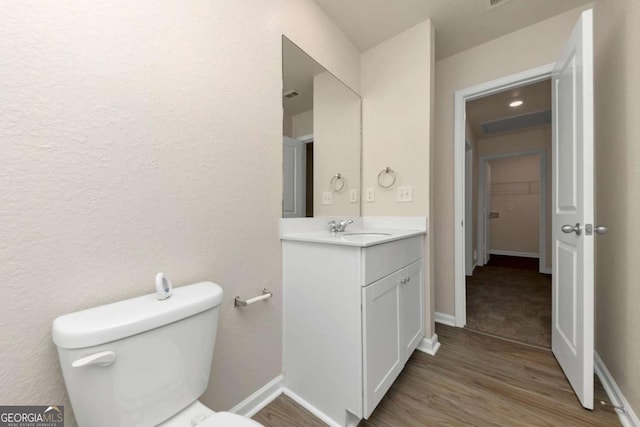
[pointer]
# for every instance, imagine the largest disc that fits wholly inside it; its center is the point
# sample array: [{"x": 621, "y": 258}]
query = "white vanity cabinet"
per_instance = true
[
  {"x": 352, "y": 317},
  {"x": 393, "y": 325}
]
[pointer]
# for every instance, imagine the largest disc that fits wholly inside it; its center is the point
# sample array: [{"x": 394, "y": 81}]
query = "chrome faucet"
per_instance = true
[{"x": 340, "y": 226}]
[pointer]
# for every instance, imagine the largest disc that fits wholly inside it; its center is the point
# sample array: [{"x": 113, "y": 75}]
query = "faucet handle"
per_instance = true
[
  {"x": 342, "y": 225},
  {"x": 332, "y": 226}
]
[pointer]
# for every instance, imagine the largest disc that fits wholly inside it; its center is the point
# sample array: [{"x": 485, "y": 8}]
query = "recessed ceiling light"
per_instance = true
[{"x": 516, "y": 103}]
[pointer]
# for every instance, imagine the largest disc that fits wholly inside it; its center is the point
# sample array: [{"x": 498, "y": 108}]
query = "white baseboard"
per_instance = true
[
  {"x": 546, "y": 271},
  {"x": 627, "y": 417},
  {"x": 445, "y": 319},
  {"x": 514, "y": 253},
  {"x": 429, "y": 345},
  {"x": 309, "y": 407},
  {"x": 261, "y": 398}
]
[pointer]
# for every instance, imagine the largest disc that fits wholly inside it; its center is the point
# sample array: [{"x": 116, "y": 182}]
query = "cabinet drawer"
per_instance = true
[{"x": 381, "y": 260}]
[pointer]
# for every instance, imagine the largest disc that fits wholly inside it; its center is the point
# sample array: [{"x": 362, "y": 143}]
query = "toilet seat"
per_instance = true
[{"x": 227, "y": 419}]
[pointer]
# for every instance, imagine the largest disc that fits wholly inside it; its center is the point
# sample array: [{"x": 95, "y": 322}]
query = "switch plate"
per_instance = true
[
  {"x": 327, "y": 198},
  {"x": 370, "y": 194},
  {"x": 405, "y": 193},
  {"x": 353, "y": 195}
]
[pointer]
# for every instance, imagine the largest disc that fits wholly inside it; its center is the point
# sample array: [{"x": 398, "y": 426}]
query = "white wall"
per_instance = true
[
  {"x": 521, "y": 50},
  {"x": 617, "y": 158},
  {"x": 515, "y": 196},
  {"x": 336, "y": 145},
  {"x": 538, "y": 138},
  {"x": 397, "y": 108},
  {"x": 141, "y": 137},
  {"x": 395, "y": 126},
  {"x": 302, "y": 124}
]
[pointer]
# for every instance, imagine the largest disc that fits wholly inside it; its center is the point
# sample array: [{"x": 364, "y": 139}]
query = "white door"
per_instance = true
[
  {"x": 468, "y": 209},
  {"x": 294, "y": 177},
  {"x": 487, "y": 211},
  {"x": 573, "y": 213}
]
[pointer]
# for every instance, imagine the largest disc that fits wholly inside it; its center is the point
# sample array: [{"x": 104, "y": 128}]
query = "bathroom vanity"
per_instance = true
[{"x": 353, "y": 314}]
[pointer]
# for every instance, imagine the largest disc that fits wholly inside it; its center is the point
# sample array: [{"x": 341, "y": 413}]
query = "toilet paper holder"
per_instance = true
[{"x": 239, "y": 302}]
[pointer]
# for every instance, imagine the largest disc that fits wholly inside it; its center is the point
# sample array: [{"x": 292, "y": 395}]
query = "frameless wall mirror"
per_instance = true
[{"x": 321, "y": 139}]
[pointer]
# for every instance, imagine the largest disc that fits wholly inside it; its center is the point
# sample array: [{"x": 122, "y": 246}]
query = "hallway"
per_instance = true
[{"x": 508, "y": 298}]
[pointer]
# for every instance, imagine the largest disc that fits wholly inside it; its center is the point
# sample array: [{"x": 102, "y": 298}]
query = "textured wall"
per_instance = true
[
  {"x": 538, "y": 138},
  {"x": 521, "y": 50},
  {"x": 140, "y": 137},
  {"x": 617, "y": 154},
  {"x": 397, "y": 128},
  {"x": 396, "y": 84},
  {"x": 518, "y": 228},
  {"x": 336, "y": 145}
]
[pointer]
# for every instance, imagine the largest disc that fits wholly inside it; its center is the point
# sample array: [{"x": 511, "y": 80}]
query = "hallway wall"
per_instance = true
[{"x": 617, "y": 158}]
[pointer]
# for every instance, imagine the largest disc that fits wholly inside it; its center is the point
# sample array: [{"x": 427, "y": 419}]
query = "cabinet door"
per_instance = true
[
  {"x": 412, "y": 307},
  {"x": 383, "y": 359}
]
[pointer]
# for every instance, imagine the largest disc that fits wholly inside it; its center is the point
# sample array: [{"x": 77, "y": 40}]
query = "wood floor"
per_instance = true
[{"x": 474, "y": 380}]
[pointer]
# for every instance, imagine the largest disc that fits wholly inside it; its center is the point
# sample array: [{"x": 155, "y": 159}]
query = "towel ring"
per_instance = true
[
  {"x": 337, "y": 183},
  {"x": 384, "y": 172}
]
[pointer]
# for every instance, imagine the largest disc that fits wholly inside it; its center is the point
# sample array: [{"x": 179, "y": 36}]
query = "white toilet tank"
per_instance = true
[{"x": 138, "y": 362}]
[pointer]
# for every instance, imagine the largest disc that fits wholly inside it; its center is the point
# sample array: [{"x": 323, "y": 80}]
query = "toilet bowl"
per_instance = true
[{"x": 143, "y": 362}]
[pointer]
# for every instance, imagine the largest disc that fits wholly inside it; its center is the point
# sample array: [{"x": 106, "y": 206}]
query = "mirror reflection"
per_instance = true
[{"x": 321, "y": 139}]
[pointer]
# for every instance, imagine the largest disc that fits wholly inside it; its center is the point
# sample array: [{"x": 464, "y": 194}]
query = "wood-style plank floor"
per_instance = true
[{"x": 474, "y": 380}]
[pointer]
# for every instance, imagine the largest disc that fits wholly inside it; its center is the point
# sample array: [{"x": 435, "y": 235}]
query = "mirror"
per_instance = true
[{"x": 321, "y": 139}]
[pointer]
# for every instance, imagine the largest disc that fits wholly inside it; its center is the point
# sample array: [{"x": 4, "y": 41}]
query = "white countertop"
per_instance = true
[{"x": 352, "y": 237}]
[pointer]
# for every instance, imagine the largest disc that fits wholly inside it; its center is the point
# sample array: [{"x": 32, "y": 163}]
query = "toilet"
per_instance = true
[{"x": 143, "y": 361}]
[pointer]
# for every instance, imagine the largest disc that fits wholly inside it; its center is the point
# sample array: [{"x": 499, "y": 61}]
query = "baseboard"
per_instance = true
[
  {"x": 429, "y": 345},
  {"x": 627, "y": 417},
  {"x": 514, "y": 253},
  {"x": 261, "y": 398},
  {"x": 445, "y": 319},
  {"x": 545, "y": 271},
  {"x": 309, "y": 407}
]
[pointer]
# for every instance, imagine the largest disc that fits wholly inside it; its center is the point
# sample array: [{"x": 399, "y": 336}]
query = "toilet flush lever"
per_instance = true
[{"x": 104, "y": 358}]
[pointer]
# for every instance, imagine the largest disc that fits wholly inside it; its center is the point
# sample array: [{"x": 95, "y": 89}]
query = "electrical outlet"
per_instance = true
[
  {"x": 327, "y": 198},
  {"x": 353, "y": 195},
  {"x": 405, "y": 193},
  {"x": 370, "y": 194}
]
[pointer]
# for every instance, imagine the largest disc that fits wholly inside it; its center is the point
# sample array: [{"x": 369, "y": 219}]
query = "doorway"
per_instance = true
[
  {"x": 508, "y": 294},
  {"x": 535, "y": 75}
]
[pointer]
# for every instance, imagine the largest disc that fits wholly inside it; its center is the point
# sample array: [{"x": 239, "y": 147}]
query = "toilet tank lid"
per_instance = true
[{"x": 110, "y": 322}]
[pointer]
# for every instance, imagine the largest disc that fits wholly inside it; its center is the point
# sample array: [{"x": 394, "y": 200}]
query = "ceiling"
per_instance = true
[
  {"x": 536, "y": 97},
  {"x": 460, "y": 24},
  {"x": 298, "y": 70}
]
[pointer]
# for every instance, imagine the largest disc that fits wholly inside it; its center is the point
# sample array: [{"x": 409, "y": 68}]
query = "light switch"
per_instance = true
[
  {"x": 353, "y": 195},
  {"x": 405, "y": 193},
  {"x": 327, "y": 198},
  {"x": 370, "y": 194}
]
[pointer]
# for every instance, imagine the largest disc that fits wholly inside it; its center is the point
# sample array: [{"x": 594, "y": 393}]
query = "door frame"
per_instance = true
[
  {"x": 542, "y": 214},
  {"x": 461, "y": 97},
  {"x": 470, "y": 263}
]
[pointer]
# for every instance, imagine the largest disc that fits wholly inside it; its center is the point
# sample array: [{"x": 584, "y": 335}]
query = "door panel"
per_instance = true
[
  {"x": 381, "y": 320},
  {"x": 294, "y": 176},
  {"x": 572, "y": 312},
  {"x": 412, "y": 291}
]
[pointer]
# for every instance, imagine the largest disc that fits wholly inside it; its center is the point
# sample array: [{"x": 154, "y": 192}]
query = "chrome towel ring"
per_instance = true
[
  {"x": 384, "y": 172},
  {"x": 337, "y": 183}
]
